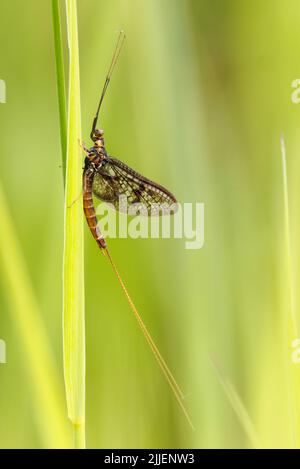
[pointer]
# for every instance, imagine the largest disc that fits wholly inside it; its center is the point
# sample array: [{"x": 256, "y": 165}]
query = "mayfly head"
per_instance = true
[{"x": 97, "y": 137}]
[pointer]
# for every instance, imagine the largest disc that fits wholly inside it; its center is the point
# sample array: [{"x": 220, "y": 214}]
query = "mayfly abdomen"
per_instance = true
[{"x": 89, "y": 208}]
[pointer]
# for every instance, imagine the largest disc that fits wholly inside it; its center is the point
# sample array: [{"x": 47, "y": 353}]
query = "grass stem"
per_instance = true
[
  {"x": 290, "y": 319},
  {"x": 237, "y": 405},
  {"x": 73, "y": 267},
  {"x": 60, "y": 79},
  {"x": 288, "y": 237}
]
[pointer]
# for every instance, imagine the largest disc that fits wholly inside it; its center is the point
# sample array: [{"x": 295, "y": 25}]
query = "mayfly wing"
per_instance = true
[{"x": 114, "y": 181}]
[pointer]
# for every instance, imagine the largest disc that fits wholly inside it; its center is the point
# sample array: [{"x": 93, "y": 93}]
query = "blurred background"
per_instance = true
[{"x": 198, "y": 101}]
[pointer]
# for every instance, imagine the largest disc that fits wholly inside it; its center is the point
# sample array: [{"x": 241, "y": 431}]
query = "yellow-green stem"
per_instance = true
[
  {"x": 290, "y": 319},
  {"x": 60, "y": 79},
  {"x": 73, "y": 271},
  {"x": 79, "y": 436}
]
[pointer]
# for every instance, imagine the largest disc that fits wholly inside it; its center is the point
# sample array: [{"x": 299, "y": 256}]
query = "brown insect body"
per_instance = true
[
  {"x": 92, "y": 161},
  {"x": 108, "y": 178}
]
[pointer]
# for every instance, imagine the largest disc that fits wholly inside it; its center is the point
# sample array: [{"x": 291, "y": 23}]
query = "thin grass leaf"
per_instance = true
[
  {"x": 292, "y": 326},
  {"x": 48, "y": 405},
  {"x": 288, "y": 238},
  {"x": 60, "y": 79},
  {"x": 73, "y": 268},
  {"x": 237, "y": 405}
]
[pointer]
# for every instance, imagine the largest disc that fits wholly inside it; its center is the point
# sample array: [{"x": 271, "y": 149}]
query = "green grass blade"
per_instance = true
[
  {"x": 291, "y": 319},
  {"x": 47, "y": 391},
  {"x": 288, "y": 238},
  {"x": 60, "y": 79},
  {"x": 73, "y": 268},
  {"x": 238, "y": 406}
]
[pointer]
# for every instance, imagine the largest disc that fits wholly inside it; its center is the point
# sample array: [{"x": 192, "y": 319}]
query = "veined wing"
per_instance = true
[{"x": 123, "y": 187}]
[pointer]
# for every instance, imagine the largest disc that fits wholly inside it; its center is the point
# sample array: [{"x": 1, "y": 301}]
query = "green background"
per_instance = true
[{"x": 198, "y": 101}]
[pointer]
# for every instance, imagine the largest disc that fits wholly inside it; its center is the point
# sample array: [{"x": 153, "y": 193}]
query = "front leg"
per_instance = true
[{"x": 84, "y": 148}]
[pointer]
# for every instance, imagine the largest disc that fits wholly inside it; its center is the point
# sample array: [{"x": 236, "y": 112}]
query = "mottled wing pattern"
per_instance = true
[{"x": 120, "y": 185}]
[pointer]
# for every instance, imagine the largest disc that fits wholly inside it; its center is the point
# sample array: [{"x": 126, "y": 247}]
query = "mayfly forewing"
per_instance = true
[{"x": 115, "y": 181}]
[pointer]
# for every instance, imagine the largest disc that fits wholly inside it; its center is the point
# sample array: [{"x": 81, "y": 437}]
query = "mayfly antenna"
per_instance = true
[{"x": 120, "y": 42}]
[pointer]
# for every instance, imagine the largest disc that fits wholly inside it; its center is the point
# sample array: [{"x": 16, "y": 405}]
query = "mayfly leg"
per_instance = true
[
  {"x": 86, "y": 151},
  {"x": 84, "y": 148},
  {"x": 75, "y": 200}
]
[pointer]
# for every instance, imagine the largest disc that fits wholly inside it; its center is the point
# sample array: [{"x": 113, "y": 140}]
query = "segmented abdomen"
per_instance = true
[{"x": 89, "y": 209}]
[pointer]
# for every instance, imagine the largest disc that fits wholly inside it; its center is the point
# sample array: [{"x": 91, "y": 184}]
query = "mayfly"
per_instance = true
[{"x": 110, "y": 179}]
